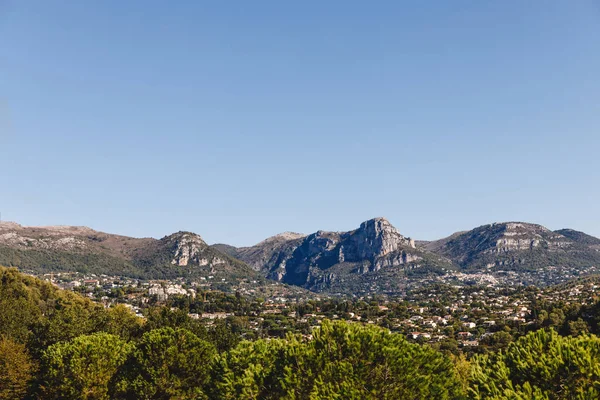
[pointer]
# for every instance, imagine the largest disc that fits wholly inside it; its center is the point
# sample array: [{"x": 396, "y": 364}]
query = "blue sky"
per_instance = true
[{"x": 238, "y": 120}]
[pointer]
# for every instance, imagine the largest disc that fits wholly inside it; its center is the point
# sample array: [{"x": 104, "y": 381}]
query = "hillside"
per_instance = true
[
  {"x": 374, "y": 257},
  {"x": 65, "y": 248},
  {"x": 26, "y": 303},
  {"x": 581, "y": 238},
  {"x": 516, "y": 246}
]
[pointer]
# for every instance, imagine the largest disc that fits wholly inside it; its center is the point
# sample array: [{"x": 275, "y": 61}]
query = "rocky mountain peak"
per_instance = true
[
  {"x": 378, "y": 237},
  {"x": 290, "y": 235},
  {"x": 187, "y": 247},
  {"x": 379, "y": 227},
  {"x": 382, "y": 221},
  {"x": 185, "y": 236}
]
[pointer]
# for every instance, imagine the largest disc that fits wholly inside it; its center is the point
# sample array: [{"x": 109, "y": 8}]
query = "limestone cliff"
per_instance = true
[{"x": 318, "y": 260}]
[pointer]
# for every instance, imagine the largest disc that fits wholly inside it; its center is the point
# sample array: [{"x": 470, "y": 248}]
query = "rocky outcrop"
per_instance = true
[
  {"x": 398, "y": 259},
  {"x": 374, "y": 239},
  {"x": 47, "y": 238},
  {"x": 320, "y": 258},
  {"x": 188, "y": 247},
  {"x": 517, "y": 236},
  {"x": 378, "y": 237}
]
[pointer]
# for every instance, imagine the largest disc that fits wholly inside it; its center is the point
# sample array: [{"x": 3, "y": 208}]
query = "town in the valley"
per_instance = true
[{"x": 482, "y": 313}]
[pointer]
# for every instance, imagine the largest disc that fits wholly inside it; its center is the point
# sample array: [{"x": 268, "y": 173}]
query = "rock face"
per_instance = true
[
  {"x": 189, "y": 247},
  {"x": 376, "y": 238},
  {"x": 514, "y": 245},
  {"x": 517, "y": 236},
  {"x": 320, "y": 260},
  {"x": 43, "y": 238},
  {"x": 83, "y": 249}
]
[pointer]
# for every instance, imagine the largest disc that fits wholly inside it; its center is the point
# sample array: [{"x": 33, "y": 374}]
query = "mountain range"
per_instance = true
[
  {"x": 72, "y": 248},
  {"x": 375, "y": 257}
]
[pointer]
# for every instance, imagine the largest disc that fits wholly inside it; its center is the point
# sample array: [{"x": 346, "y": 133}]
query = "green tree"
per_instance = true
[
  {"x": 248, "y": 371},
  {"x": 66, "y": 317},
  {"x": 16, "y": 369},
  {"x": 20, "y": 301},
  {"x": 161, "y": 317},
  {"x": 38, "y": 314},
  {"x": 83, "y": 367},
  {"x": 343, "y": 361},
  {"x": 166, "y": 364},
  {"x": 541, "y": 365},
  {"x": 578, "y": 327},
  {"x": 225, "y": 334},
  {"x": 496, "y": 341},
  {"x": 121, "y": 321}
]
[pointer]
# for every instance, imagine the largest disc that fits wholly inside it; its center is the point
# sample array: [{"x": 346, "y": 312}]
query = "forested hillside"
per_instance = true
[{"x": 56, "y": 344}]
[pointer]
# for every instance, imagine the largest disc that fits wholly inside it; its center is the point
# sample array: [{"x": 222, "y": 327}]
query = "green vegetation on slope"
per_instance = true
[
  {"x": 45, "y": 261},
  {"x": 59, "y": 345},
  {"x": 579, "y": 237}
]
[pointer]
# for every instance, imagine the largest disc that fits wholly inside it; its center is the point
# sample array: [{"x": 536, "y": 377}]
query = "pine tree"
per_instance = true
[
  {"x": 16, "y": 369},
  {"x": 83, "y": 367},
  {"x": 342, "y": 361},
  {"x": 541, "y": 365},
  {"x": 166, "y": 364}
]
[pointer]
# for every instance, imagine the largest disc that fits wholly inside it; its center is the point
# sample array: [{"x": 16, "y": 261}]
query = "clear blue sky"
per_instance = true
[{"x": 241, "y": 119}]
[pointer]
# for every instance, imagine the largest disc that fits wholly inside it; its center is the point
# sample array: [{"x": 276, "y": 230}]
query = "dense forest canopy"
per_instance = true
[{"x": 56, "y": 344}]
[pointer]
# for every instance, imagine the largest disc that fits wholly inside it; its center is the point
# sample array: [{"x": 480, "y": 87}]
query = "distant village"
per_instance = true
[{"x": 457, "y": 314}]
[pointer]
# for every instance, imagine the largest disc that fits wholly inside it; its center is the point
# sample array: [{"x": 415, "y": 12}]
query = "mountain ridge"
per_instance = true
[
  {"x": 326, "y": 260},
  {"x": 512, "y": 244},
  {"x": 375, "y": 257},
  {"x": 57, "y": 248}
]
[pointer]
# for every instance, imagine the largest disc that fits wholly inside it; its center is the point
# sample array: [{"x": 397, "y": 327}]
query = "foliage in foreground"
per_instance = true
[
  {"x": 165, "y": 364},
  {"x": 16, "y": 369},
  {"x": 83, "y": 367},
  {"x": 59, "y": 345},
  {"x": 342, "y": 361},
  {"x": 541, "y": 365}
]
